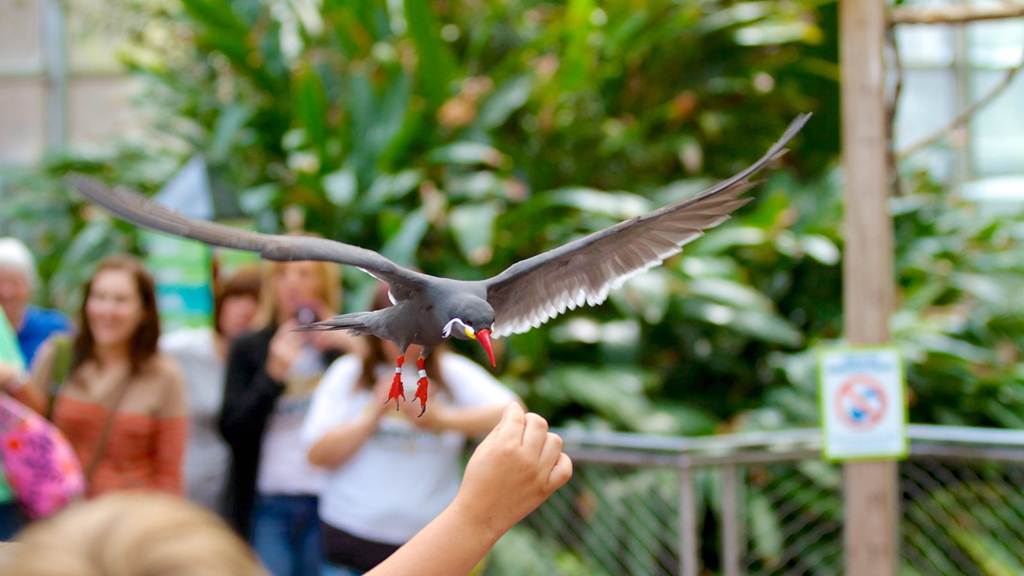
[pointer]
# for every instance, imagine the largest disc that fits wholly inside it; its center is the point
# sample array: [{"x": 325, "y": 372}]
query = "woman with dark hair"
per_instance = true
[
  {"x": 390, "y": 473},
  {"x": 121, "y": 404}
]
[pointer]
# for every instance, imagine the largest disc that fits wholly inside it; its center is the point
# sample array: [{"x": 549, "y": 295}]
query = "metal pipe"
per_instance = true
[
  {"x": 688, "y": 544},
  {"x": 622, "y": 457},
  {"x": 776, "y": 442},
  {"x": 724, "y": 443},
  {"x": 966, "y": 434},
  {"x": 644, "y": 459},
  {"x": 995, "y": 454}
]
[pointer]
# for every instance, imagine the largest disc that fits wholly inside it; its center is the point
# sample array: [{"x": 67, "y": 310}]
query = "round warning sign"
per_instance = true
[{"x": 861, "y": 402}]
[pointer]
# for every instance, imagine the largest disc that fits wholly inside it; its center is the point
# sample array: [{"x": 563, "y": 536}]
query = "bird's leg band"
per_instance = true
[
  {"x": 421, "y": 384},
  {"x": 397, "y": 392}
]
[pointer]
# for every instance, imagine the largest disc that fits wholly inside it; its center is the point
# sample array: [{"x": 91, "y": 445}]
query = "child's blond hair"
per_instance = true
[{"x": 130, "y": 534}]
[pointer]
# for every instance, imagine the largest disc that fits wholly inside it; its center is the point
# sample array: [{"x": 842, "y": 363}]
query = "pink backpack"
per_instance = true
[{"x": 38, "y": 461}]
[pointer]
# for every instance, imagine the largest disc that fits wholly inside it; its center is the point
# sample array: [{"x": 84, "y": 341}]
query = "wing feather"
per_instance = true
[
  {"x": 141, "y": 211},
  {"x": 584, "y": 271}
]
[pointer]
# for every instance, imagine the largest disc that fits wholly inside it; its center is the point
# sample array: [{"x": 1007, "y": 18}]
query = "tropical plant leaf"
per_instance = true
[{"x": 437, "y": 68}]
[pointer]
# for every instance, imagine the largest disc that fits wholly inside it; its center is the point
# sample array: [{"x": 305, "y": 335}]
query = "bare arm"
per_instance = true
[
  {"x": 32, "y": 398},
  {"x": 31, "y": 389},
  {"x": 11, "y": 377},
  {"x": 340, "y": 443},
  {"x": 475, "y": 421},
  {"x": 518, "y": 466},
  {"x": 171, "y": 430},
  {"x": 15, "y": 382},
  {"x": 419, "y": 556},
  {"x": 472, "y": 421}
]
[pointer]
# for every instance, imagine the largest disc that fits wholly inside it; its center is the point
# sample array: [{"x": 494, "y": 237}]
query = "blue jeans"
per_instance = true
[
  {"x": 12, "y": 519},
  {"x": 327, "y": 569},
  {"x": 286, "y": 534}
]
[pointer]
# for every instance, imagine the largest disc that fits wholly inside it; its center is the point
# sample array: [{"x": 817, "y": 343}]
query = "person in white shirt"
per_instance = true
[
  {"x": 391, "y": 472},
  {"x": 202, "y": 354}
]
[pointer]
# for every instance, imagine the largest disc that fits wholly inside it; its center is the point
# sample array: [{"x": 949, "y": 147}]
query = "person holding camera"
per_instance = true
[{"x": 271, "y": 375}]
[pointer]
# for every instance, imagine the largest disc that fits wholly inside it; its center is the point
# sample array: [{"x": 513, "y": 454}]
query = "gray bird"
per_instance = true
[{"x": 427, "y": 310}]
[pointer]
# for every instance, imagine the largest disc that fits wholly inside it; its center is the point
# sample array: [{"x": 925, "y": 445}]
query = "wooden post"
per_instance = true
[
  {"x": 689, "y": 563},
  {"x": 733, "y": 539},
  {"x": 869, "y": 488}
]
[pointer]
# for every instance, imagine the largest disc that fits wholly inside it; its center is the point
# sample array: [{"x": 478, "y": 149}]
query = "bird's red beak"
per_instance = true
[{"x": 484, "y": 338}]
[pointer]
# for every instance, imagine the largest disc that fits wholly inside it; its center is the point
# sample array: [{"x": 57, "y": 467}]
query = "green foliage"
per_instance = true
[
  {"x": 960, "y": 270},
  {"x": 460, "y": 140},
  {"x": 460, "y": 137},
  {"x": 522, "y": 551}
]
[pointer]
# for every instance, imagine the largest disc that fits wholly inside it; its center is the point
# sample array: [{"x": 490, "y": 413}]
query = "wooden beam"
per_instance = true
[
  {"x": 869, "y": 488},
  {"x": 954, "y": 13}
]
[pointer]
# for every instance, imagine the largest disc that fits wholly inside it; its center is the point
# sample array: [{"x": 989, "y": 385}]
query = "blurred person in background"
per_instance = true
[
  {"x": 202, "y": 354},
  {"x": 391, "y": 472},
  {"x": 122, "y": 404},
  {"x": 518, "y": 466},
  {"x": 12, "y": 371},
  {"x": 270, "y": 379},
  {"x": 18, "y": 280}
]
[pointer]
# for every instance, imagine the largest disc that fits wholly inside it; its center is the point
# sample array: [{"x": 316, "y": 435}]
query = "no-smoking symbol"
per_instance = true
[{"x": 861, "y": 402}]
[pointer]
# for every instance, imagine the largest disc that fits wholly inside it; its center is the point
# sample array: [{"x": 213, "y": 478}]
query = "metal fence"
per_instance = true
[{"x": 767, "y": 504}]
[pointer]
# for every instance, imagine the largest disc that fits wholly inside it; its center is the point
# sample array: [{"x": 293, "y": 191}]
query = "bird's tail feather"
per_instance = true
[{"x": 357, "y": 322}]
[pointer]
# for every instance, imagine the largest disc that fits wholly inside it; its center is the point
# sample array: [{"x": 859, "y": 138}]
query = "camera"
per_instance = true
[{"x": 305, "y": 315}]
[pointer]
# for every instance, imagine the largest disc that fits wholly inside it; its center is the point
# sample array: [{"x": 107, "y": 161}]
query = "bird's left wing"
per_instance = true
[
  {"x": 144, "y": 212},
  {"x": 533, "y": 291}
]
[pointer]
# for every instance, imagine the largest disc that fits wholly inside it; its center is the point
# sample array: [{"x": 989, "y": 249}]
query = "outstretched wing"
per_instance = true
[
  {"x": 533, "y": 291},
  {"x": 144, "y": 212}
]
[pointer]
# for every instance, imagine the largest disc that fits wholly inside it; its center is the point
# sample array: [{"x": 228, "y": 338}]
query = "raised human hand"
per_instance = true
[
  {"x": 285, "y": 347},
  {"x": 516, "y": 468}
]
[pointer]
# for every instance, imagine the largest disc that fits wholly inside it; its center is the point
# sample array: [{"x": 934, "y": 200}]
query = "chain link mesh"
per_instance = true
[
  {"x": 962, "y": 517},
  {"x": 959, "y": 516}
]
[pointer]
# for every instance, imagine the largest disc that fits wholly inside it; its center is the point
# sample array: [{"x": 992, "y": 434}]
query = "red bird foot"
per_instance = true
[
  {"x": 421, "y": 385},
  {"x": 397, "y": 390}
]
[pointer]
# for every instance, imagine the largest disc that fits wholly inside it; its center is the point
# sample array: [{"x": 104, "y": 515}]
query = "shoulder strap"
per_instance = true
[
  {"x": 108, "y": 425},
  {"x": 60, "y": 369}
]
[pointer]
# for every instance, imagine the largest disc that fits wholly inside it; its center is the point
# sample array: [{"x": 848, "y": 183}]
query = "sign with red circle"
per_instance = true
[
  {"x": 861, "y": 401},
  {"x": 862, "y": 408}
]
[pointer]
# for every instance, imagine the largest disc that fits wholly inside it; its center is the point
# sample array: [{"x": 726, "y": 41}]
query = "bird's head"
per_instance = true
[{"x": 471, "y": 318}]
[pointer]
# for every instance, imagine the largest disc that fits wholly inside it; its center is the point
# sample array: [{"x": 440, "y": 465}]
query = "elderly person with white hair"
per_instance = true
[{"x": 18, "y": 280}]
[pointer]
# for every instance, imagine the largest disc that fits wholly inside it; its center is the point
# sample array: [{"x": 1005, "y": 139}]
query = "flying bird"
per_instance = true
[{"x": 427, "y": 310}]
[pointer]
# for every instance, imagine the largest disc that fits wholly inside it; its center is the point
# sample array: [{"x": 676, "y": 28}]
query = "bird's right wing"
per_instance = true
[
  {"x": 141, "y": 211},
  {"x": 533, "y": 291}
]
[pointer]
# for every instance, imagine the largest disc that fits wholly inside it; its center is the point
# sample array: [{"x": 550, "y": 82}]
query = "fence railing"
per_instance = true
[{"x": 766, "y": 503}]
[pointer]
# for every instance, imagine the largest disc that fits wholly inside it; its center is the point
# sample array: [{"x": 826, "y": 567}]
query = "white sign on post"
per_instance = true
[{"x": 863, "y": 412}]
